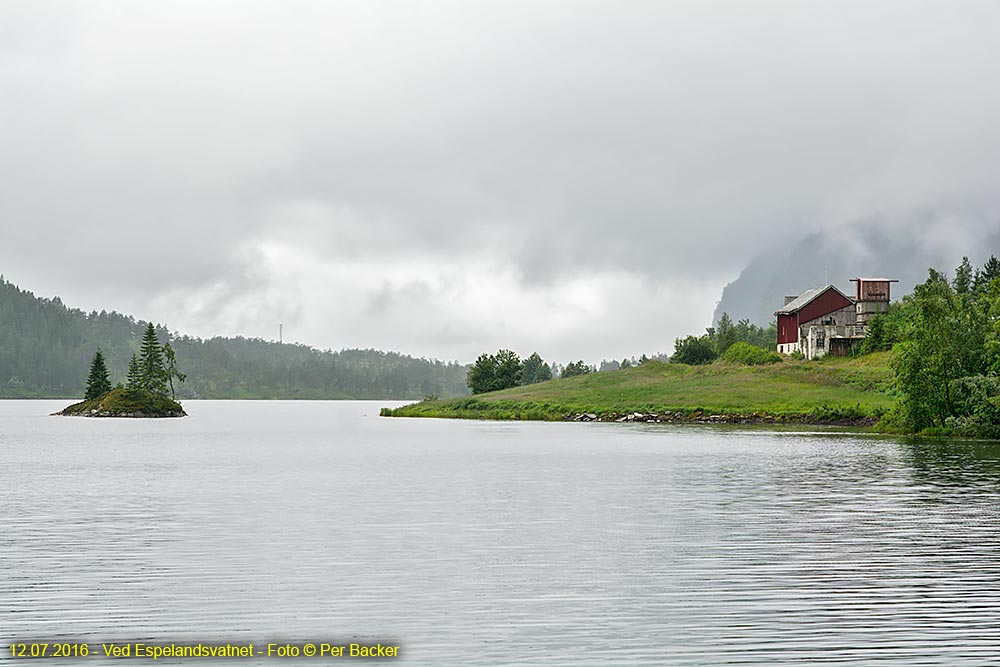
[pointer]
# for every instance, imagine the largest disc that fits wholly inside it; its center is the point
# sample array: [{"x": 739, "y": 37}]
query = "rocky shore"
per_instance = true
[{"x": 698, "y": 417}]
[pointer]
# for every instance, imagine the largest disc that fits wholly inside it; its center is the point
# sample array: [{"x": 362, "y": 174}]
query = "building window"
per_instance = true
[{"x": 820, "y": 342}]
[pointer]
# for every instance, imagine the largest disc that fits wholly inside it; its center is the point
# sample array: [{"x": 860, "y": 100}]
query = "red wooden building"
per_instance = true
[{"x": 824, "y": 320}]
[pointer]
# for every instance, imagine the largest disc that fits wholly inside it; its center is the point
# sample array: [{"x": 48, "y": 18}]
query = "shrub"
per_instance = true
[
  {"x": 749, "y": 355},
  {"x": 693, "y": 350}
]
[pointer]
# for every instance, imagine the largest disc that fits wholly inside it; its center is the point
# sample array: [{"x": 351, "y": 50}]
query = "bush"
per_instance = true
[
  {"x": 693, "y": 350},
  {"x": 575, "y": 368},
  {"x": 750, "y": 355},
  {"x": 977, "y": 406}
]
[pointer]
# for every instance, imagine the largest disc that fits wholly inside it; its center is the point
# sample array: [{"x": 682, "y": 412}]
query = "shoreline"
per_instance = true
[{"x": 510, "y": 411}]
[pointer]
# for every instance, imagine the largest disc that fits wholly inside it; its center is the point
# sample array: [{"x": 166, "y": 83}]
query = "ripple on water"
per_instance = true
[{"x": 486, "y": 544}]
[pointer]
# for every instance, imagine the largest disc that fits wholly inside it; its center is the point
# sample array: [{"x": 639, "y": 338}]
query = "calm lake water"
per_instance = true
[{"x": 478, "y": 543}]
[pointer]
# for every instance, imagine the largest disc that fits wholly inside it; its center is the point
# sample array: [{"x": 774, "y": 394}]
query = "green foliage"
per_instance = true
[
  {"x": 98, "y": 380},
  {"x": 694, "y": 350},
  {"x": 535, "y": 370},
  {"x": 976, "y": 402},
  {"x": 134, "y": 381},
  {"x": 724, "y": 335},
  {"x": 170, "y": 368},
  {"x": 845, "y": 413},
  {"x": 989, "y": 273},
  {"x": 887, "y": 329},
  {"x": 962, "y": 282},
  {"x": 749, "y": 355},
  {"x": 482, "y": 374},
  {"x": 575, "y": 368},
  {"x": 152, "y": 374},
  {"x": 47, "y": 348},
  {"x": 508, "y": 370},
  {"x": 877, "y": 338},
  {"x": 493, "y": 372},
  {"x": 948, "y": 341}
]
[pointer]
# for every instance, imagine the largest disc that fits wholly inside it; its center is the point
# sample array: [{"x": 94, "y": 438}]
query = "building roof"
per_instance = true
[
  {"x": 804, "y": 299},
  {"x": 876, "y": 280}
]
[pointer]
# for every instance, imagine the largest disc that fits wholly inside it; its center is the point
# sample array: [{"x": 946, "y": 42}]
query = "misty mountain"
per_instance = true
[
  {"x": 834, "y": 256},
  {"x": 46, "y": 349}
]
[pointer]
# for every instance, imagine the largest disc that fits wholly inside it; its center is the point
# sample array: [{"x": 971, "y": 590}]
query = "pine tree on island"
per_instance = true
[
  {"x": 134, "y": 378},
  {"x": 152, "y": 373},
  {"x": 99, "y": 380},
  {"x": 145, "y": 394}
]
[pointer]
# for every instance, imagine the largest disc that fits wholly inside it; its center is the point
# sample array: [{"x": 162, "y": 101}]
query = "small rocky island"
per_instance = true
[
  {"x": 145, "y": 395},
  {"x": 126, "y": 403}
]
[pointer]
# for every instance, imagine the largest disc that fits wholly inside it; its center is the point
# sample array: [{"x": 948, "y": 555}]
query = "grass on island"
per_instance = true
[
  {"x": 830, "y": 389},
  {"x": 126, "y": 402}
]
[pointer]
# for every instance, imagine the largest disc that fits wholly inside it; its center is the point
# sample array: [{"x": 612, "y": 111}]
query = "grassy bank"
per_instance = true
[{"x": 857, "y": 390}]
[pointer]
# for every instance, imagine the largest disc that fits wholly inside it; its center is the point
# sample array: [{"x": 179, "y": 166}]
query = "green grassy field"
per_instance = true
[{"x": 833, "y": 389}]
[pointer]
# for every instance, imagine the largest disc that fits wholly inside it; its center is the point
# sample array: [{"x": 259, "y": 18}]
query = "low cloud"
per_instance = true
[{"x": 443, "y": 178}]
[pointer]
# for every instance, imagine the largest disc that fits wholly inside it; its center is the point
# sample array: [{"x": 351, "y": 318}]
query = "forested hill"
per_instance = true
[{"x": 46, "y": 349}]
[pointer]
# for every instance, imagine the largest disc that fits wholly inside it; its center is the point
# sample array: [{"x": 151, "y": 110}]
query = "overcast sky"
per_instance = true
[{"x": 444, "y": 178}]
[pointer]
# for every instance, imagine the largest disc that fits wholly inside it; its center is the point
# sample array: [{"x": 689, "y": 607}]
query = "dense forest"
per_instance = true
[{"x": 46, "y": 349}]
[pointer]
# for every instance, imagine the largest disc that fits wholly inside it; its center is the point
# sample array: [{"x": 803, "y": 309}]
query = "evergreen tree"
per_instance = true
[
  {"x": 725, "y": 334},
  {"x": 963, "y": 277},
  {"x": 152, "y": 374},
  {"x": 134, "y": 376},
  {"x": 575, "y": 368},
  {"x": 990, "y": 271},
  {"x": 170, "y": 366},
  {"x": 99, "y": 381},
  {"x": 535, "y": 370}
]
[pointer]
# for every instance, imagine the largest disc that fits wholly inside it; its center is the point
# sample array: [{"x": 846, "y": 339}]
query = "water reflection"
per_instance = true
[
  {"x": 958, "y": 467},
  {"x": 487, "y": 544}
]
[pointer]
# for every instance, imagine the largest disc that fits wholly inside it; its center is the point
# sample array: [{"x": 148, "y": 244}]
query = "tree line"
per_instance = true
[
  {"x": 46, "y": 349},
  {"x": 505, "y": 369}
]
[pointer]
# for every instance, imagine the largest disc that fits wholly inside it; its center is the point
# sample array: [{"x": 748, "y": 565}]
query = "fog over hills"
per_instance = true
[
  {"x": 46, "y": 349},
  {"x": 903, "y": 250}
]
